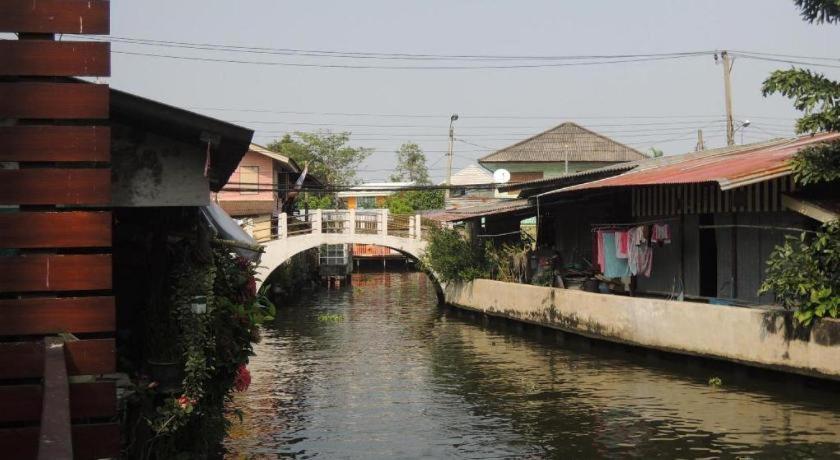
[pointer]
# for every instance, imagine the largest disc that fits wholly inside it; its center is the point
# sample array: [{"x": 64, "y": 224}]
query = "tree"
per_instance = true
[
  {"x": 411, "y": 165},
  {"x": 410, "y": 201},
  {"x": 329, "y": 156},
  {"x": 655, "y": 152},
  {"x": 804, "y": 272},
  {"x": 819, "y": 11}
]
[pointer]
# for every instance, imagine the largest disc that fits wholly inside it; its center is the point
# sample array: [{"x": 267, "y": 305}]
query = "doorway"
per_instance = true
[{"x": 708, "y": 257}]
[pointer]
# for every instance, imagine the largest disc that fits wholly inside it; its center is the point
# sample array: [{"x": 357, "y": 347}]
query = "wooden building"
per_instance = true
[
  {"x": 88, "y": 176},
  {"x": 725, "y": 209}
]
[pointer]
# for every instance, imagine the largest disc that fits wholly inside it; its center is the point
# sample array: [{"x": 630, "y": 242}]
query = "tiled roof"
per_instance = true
[{"x": 565, "y": 141}]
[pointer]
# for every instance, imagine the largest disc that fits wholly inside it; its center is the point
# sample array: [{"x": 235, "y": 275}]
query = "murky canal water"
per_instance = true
[{"x": 400, "y": 377}]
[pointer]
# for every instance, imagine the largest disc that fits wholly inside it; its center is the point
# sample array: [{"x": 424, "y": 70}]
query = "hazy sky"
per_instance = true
[{"x": 679, "y": 95}]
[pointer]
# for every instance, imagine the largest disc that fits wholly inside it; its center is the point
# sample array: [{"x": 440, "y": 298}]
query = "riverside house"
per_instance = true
[
  {"x": 564, "y": 149},
  {"x": 719, "y": 212},
  {"x": 705, "y": 223},
  {"x": 258, "y": 190}
]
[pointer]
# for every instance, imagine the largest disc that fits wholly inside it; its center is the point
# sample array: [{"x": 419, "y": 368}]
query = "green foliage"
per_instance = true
[
  {"x": 329, "y": 156},
  {"x": 818, "y": 163},
  {"x": 398, "y": 204},
  {"x": 655, "y": 152},
  {"x": 330, "y": 318},
  {"x": 414, "y": 200},
  {"x": 715, "y": 381},
  {"x": 421, "y": 200},
  {"x": 216, "y": 342},
  {"x": 804, "y": 273},
  {"x": 411, "y": 165},
  {"x": 452, "y": 258},
  {"x": 812, "y": 93},
  {"x": 312, "y": 201},
  {"x": 819, "y": 11}
]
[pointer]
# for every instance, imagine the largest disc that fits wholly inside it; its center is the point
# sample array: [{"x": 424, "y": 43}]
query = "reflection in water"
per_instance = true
[{"x": 403, "y": 378}]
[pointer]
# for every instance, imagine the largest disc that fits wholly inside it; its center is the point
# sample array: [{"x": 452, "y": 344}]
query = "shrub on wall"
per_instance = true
[
  {"x": 452, "y": 258},
  {"x": 804, "y": 273}
]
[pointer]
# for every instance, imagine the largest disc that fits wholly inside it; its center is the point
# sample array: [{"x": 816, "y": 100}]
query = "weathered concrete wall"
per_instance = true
[
  {"x": 148, "y": 170},
  {"x": 753, "y": 336}
]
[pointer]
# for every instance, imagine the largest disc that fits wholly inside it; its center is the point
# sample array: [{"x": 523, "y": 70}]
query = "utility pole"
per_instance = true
[
  {"x": 451, "y": 144},
  {"x": 700, "y": 144},
  {"x": 727, "y": 88}
]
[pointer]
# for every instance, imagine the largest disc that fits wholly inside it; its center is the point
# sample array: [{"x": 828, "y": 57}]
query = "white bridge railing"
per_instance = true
[{"x": 353, "y": 221}]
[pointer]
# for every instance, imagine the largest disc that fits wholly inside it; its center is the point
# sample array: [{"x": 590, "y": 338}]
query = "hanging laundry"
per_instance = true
[
  {"x": 661, "y": 234},
  {"x": 613, "y": 266},
  {"x": 622, "y": 244},
  {"x": 640, "y": 255}
]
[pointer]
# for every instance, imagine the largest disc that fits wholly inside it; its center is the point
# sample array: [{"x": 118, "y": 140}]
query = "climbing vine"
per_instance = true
[{"x": 216, "y": 310}]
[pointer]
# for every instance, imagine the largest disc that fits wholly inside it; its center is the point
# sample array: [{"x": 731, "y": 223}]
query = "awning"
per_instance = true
[
  {"x": 228, "y": 229},
  {"x": 823, "y": 210}
]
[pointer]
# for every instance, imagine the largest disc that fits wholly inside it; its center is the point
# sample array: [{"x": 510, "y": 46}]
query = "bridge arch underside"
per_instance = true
[{"x": 279, "y": 251}]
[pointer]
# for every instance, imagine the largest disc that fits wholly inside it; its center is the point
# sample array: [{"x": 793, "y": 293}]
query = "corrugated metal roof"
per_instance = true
[
  {"x": 571, "y": 179},
  {"x": 729, "y": 168},
  {"x": 565, "y": 141},
  {"x": 484, "y": 210}
]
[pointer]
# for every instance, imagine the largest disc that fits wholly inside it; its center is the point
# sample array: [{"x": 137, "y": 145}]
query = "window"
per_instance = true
[
  {"x": 249, "y": 180},
  {"x": 366, "y": 202}
]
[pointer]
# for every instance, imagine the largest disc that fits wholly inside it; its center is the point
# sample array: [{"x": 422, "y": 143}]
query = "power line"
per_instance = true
[
  {"x": 465, "y": 116},
  {"x": 785, "y": 61},
  {"x": 405, "y": 67},
  {"x": 376, "y": 55},
  {"x": 367, "y": 125}
]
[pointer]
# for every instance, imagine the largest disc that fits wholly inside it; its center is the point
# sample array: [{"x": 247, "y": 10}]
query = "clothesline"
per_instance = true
[
  {"x": 759, "y": 227},
  {"x": 632, "y": 224}
]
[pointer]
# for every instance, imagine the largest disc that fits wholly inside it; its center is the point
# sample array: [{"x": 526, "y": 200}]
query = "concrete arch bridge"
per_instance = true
[{"x": 298, "y": 233}]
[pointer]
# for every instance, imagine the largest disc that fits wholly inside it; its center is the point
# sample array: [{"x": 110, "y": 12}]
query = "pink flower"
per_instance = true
[
  {"x": 185, "y": 401},
  {"x": 243, "y": 263},
  {"x": 243, "y": 378}
]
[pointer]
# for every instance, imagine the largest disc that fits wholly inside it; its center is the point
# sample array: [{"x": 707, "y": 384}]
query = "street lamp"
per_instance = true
[
  {"x": 452, "y": 120},
  {"x": 741, "y": 126}
]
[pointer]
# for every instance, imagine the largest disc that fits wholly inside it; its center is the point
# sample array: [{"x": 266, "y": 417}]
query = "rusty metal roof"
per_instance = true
[
  {"x": 729, "y": 168},
  {"x": 483, "y": 210}
]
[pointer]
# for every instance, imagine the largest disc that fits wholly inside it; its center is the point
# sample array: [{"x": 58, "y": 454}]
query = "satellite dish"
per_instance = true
[{"x": 501, "y": 176}]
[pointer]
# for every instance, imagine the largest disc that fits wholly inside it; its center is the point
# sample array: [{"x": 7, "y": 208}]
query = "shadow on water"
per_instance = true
[{"x": 397, "y": 376}]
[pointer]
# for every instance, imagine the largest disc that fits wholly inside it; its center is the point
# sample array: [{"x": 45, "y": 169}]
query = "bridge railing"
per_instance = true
[{"x": 354, "y": 221}]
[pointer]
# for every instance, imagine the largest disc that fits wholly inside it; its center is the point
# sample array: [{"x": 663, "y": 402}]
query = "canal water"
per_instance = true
[{"x": 378, "y": 370}]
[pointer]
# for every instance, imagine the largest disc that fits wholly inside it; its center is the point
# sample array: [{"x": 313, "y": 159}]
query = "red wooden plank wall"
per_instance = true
[{"x": 55, "y": 224}]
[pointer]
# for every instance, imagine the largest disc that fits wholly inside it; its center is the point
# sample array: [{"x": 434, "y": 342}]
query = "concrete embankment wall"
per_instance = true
[{"x": 753, "y": 336}]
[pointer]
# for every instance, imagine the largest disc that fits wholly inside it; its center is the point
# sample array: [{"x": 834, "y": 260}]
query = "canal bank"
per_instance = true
[
  {"x": 761, "y": 337},
  {"x": 378, "y": 370}
]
